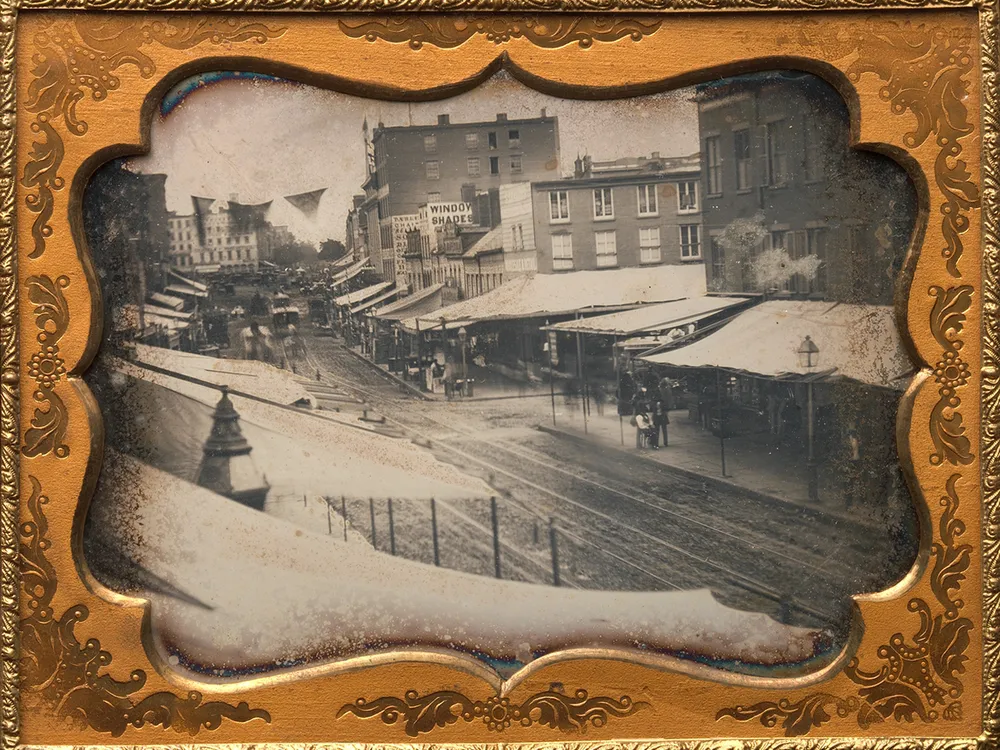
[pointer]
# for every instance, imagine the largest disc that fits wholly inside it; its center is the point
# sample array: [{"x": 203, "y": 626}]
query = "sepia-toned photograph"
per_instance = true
[{"x": 501, "y": 375}]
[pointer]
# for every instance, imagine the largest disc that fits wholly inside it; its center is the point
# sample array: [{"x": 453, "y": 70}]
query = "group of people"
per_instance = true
[{"x": 651, "y": 414}]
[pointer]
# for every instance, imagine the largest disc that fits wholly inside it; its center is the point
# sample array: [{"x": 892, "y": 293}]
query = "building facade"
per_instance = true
[
  {"x": 790, "y": 208},
  {"x": 616, "y": 214},
  {"x": 425, "y": 165},
  {"x": 215, "y": 241}
]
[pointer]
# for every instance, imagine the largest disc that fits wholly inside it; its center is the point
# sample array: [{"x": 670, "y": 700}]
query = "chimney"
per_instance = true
[
  {"x": 578, "y": 167},
  {"x": 501, "y": 117},
  {"x": 226, "y": 467},
  {"x": 655, "y": 155},
  {"x": 588, "y": 164},
  {"x": 544, "y": 112},
  {"x": 444, "y": 119}
]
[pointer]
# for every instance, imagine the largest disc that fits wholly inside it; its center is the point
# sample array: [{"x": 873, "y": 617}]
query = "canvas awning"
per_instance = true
[
  {"x": 857, "y": 342},
  {"x": 186, "y": 291},
  {"x": 421, "y": 302},
  {"x": 374, "y": 301},
  {"x": 348, "y": 300},
  {"x": 165, "y": 312},
  {"x": 648, "y": 318},
  {"x": 188, "y": 282},
  {"x": 349, "y": 273},
  {"x": 168, "y": 301},
  {"x": 550, "y": 294}
]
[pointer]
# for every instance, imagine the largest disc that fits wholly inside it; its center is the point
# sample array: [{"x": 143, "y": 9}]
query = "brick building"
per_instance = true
[
  {"x": 414, "y": 166},
  {"x": 784, "y": 191},
  {"x": 614, "y": 214},
  {"x": 221, "y": 240}
]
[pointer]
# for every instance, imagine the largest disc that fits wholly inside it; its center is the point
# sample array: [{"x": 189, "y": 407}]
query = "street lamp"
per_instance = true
[
  {"x": 462, "y": 336},
  {"x": 808, "y": 360}
]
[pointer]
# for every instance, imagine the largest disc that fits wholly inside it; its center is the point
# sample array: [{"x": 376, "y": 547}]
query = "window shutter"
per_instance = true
[{"x": 765, "y": 152}]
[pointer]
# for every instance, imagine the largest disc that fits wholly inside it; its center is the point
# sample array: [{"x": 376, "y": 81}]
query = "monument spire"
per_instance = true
[{"x": 226, "y": 466}]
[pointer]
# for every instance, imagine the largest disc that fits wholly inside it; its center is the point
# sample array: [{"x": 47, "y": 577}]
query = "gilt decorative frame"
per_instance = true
[{"x": 920, "y": 77}]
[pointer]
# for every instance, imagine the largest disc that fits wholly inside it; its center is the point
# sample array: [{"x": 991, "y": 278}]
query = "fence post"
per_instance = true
[
  {"x": 343, "y": 512},
  {"x": 496, "y": 536},
  {"x": 554, "y": 545},
  {"x": 434, "y": 532},
  {"x": 329, "y": 517},
  {"x": 371, "y": 512},
  {"x": 304, "y": 501},
  {"x": 392, "y": 531}
]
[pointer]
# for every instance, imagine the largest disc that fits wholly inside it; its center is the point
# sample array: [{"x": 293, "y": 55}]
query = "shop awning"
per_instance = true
[
  {"x": 541, "y": 295},
  {"x": 349, "y": 273},
  {"x": 185, "y": 291},
  {"x": 649, "y": 318},
  {"x": 374, "y": 301},
  {"x": 166, "y": 300},
  {"x": 349, "y": 300},
  {"x": 165, "y": 312},
  {"x": 857, "y": 342},
  {"x": 188, "y": 282},
  {"x": 420, "y": 302}
]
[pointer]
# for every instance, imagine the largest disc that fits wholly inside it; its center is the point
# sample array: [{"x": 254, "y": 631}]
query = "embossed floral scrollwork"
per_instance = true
[
  {"x": 76, "y": 59},
  {"x": 549, "y": 31},
  {"x": 61, "y": 675},
  {"x": 421, "y": 714},
  {"x": 46, "y": 431},
  {"x": 918, "y": 678}
]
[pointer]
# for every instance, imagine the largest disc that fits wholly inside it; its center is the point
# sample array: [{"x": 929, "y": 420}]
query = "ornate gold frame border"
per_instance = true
[{"x": 990, "y": 451}]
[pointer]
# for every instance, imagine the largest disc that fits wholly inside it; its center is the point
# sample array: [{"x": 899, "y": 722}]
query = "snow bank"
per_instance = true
[{"x": 278, "y": 594}]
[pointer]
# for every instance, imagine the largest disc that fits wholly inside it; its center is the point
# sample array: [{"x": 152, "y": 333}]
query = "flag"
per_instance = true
[
  {"x": 202, "y": 208},
  {"x": 245, "y": 218},
  {"x": 307, "y": 203}
]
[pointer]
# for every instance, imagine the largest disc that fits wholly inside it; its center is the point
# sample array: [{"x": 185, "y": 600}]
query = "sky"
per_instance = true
[{"x": 262, "y": 139}]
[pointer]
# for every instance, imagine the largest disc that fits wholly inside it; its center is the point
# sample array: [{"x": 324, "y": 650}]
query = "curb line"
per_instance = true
[{"x": 718, "y": 481}]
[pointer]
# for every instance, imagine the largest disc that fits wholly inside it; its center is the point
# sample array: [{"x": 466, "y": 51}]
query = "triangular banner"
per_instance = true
[{"x": 307, "y": 203}]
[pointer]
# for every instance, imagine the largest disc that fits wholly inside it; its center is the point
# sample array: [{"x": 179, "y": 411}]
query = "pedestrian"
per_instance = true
[
  {"x": 600, "y": 398},
  {"x": 661, "y": 418},
  {"x": 640, "y": 419},
  {"x": 855, "y": 471}
]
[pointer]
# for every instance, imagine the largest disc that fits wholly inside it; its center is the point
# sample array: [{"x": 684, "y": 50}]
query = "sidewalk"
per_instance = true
[{"x": 770, "y": 475}]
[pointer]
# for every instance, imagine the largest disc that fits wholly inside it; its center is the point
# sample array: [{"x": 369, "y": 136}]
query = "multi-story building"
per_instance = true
[
  {"x": 783, "y": 190},
  {"x": 614, "y": 214},
  {"x": 424, "y": 165},
  {"x": 214, "y": 240},
  {"x": 356, "y": 235}
]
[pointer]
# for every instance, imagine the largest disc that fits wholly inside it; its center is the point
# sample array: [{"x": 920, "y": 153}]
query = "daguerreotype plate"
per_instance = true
[{"x": 622, "y": 379}]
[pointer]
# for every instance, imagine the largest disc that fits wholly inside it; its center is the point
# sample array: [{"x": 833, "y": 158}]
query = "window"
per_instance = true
[
  {"x": 472, "y": 141},
  {"x": 433, "y": 170},
  {"x": 816, "y": 245},
  {"x": 558, "y": 206},
  {"x": 515, "y": 164},
  {"x": 649, "y": 245},
  {"x": 472, "y": 165},
  {"x": 434, "y": 197},
  {"x": 690, "y": 241},
  {"x": 494, "y": 165},
  {"x": 713, "y": 166},
  {"x": 647, "y": 200},
  {"x": 775, "y": 153},
  {"x": 741, "y": 147},
  {"x": 604, "y": 207},
  {"x": 562, "y": 252},
  {"x": 718, "y": 262},
  {"x": 687, "y": 196},
  {"x": 491, "y": 138},
  {"x": 430, "y": 144},
  {"x": 814, "y": 156},
  {"x": 607, "y": 249},
  {"x": 514, "y": 138}
]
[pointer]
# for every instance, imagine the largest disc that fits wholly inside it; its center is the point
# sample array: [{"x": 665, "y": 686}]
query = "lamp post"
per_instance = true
[
  {"x": 463, "y": 336},
  {"x": 808, "y": 359}
]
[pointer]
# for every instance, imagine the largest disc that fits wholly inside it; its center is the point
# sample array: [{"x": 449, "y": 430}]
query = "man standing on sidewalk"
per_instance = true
[{"x": 660, "y": 420}]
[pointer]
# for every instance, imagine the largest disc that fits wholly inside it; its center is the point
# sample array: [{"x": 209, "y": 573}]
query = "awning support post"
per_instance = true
[
  {"x": 552, "y": 376},
  {"x": 618, "y": 389},
  {"x": 722, "y": 418},
  {"x": 579, "y": 369}
]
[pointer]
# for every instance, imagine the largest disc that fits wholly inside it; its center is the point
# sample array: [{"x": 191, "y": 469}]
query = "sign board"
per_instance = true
[
  {"x": 436, "y": 216},
  {"x": 553, "y": 347},
  {"x": 401, "y": 226}
]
